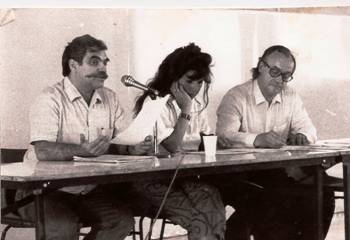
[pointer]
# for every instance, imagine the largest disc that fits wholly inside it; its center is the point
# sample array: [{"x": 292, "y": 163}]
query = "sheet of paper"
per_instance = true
[
  {"x": 115, "y": 159},
  {"x": 237, "y": 151},
  {"x": 143, "y": 124}
]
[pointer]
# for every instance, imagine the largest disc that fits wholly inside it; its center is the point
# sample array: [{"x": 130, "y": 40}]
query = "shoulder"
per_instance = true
[
  {"x": 50, "y": 98},
  {"x": 55, "y": 89},
  {"x": 52, "y": 93},
  {"x": 240, "y": 92}
]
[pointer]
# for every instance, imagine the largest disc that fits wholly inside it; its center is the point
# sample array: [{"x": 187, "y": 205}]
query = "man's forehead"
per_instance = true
[
  {"x": 280, "y": 60},
  {"x": 100, "y": 54}
]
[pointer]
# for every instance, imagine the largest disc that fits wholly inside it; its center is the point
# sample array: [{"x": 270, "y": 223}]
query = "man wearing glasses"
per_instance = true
[{"x": 266, "y": 113}]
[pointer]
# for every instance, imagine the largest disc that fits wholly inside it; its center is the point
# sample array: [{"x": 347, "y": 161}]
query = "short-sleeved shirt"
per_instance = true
[
  {"x": 244, "y": 113},
  {"x": 60, "y": 114},
  {"x": 198, "y": 123}
]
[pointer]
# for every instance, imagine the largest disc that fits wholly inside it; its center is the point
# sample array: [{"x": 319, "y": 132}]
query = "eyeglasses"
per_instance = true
[{"x": 276, "y": 72}]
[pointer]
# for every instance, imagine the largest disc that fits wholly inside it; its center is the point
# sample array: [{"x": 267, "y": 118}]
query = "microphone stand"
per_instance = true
[{"x": 155, "y": 139}]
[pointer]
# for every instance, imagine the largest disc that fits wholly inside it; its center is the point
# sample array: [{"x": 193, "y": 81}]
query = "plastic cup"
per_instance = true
[{"x": 210, "y": 145}]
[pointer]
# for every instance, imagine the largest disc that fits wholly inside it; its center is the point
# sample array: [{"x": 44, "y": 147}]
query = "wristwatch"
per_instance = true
[{"x": 185, "y": 116}]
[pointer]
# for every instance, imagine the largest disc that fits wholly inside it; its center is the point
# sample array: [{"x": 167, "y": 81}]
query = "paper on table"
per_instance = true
[
  {"x": 114, "y": 159},
  {"x": 143, "y": 124},
  {"x": 231, "y": 151}
]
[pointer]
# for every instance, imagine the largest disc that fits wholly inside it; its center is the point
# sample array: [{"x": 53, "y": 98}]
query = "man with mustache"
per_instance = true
[
  {"x": 266, "y": 113},
  {"x": 78, "y": 116}
]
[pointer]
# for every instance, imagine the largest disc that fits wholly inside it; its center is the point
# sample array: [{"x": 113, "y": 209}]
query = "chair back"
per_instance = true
[{"x": 10, "y": 155}]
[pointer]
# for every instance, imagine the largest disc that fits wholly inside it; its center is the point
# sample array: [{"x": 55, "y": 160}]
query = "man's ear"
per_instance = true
[
  {"x": 72, "y": 64},
  {"x": 260, "y": 65}
]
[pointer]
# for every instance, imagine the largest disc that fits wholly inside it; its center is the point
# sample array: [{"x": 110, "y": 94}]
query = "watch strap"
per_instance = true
[{"x": 185, "y": 116}]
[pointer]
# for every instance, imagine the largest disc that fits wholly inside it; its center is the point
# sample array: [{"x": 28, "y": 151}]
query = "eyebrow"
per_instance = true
[{"x": 106, "y": 60}]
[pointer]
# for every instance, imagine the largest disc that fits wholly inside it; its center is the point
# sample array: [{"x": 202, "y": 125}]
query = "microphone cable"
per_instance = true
[{"x": 148, "y": 237}]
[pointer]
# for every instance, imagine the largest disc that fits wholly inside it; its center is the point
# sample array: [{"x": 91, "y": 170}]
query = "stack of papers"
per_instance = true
[
  {"x": 309, "y": 148},
  {"x": 117, "y": 159}
]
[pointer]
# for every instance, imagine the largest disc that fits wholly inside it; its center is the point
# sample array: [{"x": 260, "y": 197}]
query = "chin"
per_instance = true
[{"x": 97, "y": 86}]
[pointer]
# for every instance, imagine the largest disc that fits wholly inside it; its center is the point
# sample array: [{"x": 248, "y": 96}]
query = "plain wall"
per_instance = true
[
  {"x": 236, "y": 39},
  {"x": 31, "y": 52},
  {"x": 138, "y": 40}
]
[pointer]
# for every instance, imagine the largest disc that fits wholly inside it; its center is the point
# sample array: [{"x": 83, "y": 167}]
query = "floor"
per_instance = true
[{"x": 336, "y": 231}]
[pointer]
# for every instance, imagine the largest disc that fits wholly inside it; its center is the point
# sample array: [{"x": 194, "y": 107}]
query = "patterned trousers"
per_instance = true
[{"x": 195, "y": 206}]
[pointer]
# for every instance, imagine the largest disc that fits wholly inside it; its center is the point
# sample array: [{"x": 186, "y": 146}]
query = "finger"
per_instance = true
[
  {"x": 292, "y": 140},
  {"x": 173, "y": 88},
  {"x": 145, "y": 148},
  {"x": 100, "y": 149},
  {"x": 183, "y": 91},
  {"x": 149, "y": 138},
  {"x": 303, "y": 140},
  {"x": 138, "y": 150},
  {"x": 224, "y": 142},
  {"x": 99, "y": 143},
  {"x": 299, "y": 139},
  {"x": 147, "y": 143}
]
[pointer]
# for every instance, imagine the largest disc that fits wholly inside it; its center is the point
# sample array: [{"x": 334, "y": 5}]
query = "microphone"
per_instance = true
[{"x": 129, "y": 81}]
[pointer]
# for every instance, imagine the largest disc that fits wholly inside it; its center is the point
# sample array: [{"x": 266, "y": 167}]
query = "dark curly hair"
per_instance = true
[
  {"x": 77, "y": 49},
  {"x": 174, "y": 66},
  {"x": 276, "y": 48}
]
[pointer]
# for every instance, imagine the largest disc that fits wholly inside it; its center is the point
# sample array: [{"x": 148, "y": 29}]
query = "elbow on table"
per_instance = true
[
  {"x": 41, "y": 154},
  {"x": 41, "y": 151}
]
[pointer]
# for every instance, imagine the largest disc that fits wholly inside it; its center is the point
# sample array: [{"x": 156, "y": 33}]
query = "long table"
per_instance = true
[{"x": 42, "y": 176}]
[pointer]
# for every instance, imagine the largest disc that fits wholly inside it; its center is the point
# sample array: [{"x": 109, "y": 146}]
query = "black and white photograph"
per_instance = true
[{"x": 177, "y": 122}]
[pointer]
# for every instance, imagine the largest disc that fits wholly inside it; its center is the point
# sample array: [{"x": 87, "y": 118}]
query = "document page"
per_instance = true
[
  {"x": 143, "y": 124},
  {"x": 117, "y": 159}
]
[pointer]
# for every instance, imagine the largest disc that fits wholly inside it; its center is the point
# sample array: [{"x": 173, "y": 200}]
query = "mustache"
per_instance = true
[{"x": 98, "y": 75}]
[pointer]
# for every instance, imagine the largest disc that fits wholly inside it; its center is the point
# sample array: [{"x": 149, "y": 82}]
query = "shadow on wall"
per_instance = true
[{"x": 328, "y": 105}]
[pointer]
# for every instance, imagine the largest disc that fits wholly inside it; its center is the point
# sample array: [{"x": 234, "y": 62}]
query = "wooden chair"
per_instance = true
[
  {"x": 162, "y": 230},
  {"x": 13, "y": 219}
]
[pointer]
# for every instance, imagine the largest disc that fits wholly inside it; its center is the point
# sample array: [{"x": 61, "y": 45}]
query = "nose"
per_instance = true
[
  {"x": 196, "y": 87},
  {"x": 102, "y": 67},
  {"x": 279, "y": 79}
]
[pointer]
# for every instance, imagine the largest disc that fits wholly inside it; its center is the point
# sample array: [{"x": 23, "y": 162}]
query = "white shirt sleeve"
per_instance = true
[
  {"x": 229, "y": 121},
  {"x": 166, "y": 123},
  {"x": 301, "y": 122},
  {"x": 119, "y": 124},
  {"x": 45, "y": 117}
]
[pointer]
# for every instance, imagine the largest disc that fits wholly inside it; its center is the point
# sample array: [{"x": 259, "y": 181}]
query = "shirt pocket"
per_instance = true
[{"x": 99, "y": 123}]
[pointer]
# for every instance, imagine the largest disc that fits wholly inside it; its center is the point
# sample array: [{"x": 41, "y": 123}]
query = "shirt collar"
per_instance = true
[
  {"x": 96, "y": 97},
  {"x": 70, "y": 89},
  {"x": 259, "y": 97},
  {"x": 73, "y": 93}
]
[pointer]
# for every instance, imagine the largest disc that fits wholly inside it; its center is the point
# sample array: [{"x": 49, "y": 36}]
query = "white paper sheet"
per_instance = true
[{"x": 143, "y": 124}]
